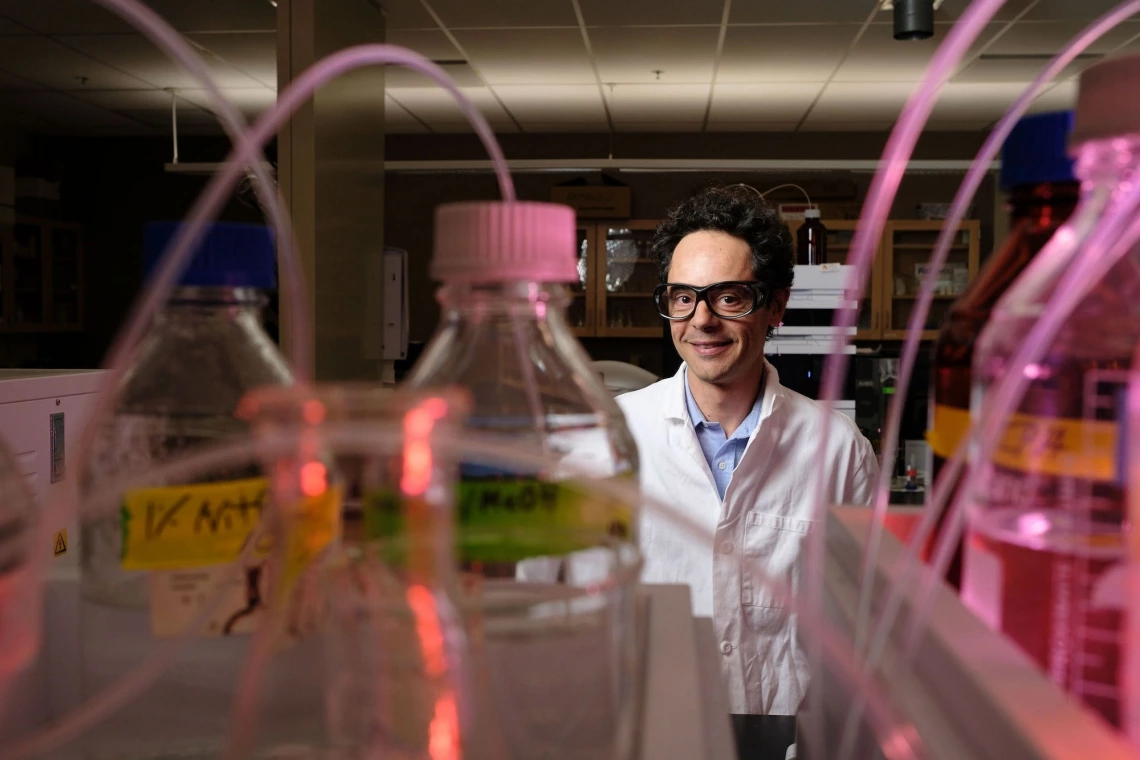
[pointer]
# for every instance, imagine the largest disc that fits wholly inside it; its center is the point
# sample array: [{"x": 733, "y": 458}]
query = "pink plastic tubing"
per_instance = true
[
  {"x": 879, "y": 199},
  {"x": 969, "y": 187},
  {"x": 246, "y": 151}
]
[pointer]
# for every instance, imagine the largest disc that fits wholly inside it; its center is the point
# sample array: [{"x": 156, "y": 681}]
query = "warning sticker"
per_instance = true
[{"x": 60, "y": 543}]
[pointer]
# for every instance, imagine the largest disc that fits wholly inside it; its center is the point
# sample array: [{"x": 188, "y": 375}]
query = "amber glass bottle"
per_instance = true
[{"x": 1038, "y": 175}]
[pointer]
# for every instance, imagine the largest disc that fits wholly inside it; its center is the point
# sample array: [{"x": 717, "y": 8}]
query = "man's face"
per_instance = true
[{"x": 720, "y": 351}]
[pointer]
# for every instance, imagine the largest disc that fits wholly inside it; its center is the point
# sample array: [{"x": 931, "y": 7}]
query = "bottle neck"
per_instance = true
[
  {"x": 1045, "y": 204},
  {"x": 197, "y": 301},
  {"x": 538, "y": 300}
]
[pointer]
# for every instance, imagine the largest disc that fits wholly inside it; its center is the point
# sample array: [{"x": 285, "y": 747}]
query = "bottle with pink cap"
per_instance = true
[
  {"x": 504, "y": 338},
  {"x": 1044, "y": 558}
]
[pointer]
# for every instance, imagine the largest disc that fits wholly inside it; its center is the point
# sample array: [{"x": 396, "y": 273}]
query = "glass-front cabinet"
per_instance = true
[{"x": 41, "y": 276}]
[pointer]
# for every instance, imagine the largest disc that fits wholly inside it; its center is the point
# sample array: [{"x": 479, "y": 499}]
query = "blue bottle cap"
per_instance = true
[
  {"x": 230, "y": 255},
  {"x": 1036, "y": 151}
]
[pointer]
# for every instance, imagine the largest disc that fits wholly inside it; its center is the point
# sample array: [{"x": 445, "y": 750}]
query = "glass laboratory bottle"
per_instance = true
[
  {"x": 1038, "y": 175},
  {"x": 811, "y": 240},
  {"x": 504, "y": 339},
  {"x": 1044, "y": 554},
  {"x": 205, "y": 350}
]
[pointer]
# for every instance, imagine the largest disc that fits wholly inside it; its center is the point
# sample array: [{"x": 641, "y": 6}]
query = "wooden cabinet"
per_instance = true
[
  {"x": 41, "y": 276},
  {"x": 614, "y": 297}
]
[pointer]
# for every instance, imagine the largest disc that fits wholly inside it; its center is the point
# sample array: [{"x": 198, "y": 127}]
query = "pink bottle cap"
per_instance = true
[
  {"x": 494, "y": 241},
  {"x": 1107, "y": 105}
]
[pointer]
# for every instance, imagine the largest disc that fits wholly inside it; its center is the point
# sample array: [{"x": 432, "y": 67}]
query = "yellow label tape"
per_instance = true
[
  {"x": 1047, "y": 445},
  {"x": 179, "y": 527}
]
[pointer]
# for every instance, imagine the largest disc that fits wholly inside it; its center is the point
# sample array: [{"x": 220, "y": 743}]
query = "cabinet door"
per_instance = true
[
  {"x": 626, "y": 277},
  {"x": 64, "y": 269},
  {"x": 907, "y": 248},
  {"x": 581, "y": 312},
  {"x": 28, "y": 275}
]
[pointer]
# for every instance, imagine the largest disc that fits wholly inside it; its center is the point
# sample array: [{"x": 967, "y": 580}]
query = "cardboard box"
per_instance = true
[{"x": 595, "y": 202}]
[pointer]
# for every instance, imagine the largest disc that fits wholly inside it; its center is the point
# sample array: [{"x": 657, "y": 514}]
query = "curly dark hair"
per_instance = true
[{"x": 737, "y": 210}]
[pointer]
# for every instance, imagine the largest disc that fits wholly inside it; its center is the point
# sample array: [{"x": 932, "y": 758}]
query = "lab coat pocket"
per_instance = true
[{"x": 772, "y": 548}]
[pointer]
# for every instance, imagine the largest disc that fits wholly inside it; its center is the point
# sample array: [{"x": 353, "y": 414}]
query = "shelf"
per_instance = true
[
  {"x": 629, "y": 332},
  {"x": 624, "y": 294}
]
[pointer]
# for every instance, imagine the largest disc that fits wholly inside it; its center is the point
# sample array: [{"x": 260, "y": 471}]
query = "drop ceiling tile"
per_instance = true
[
  {"x": 752, "y": 126},
  {"x": 430, "y": 43},
  {"x": 653, "y": 102},
  {"x": 436, "y": 106},
  {"x": 13, "y": 82},
  {"x": 1068, "y": 10},
  {"x": 660, "y": 12},
  {"x": 1046, "y": 38},
  {"x": 760, "y": 103},
  {"x": 540, "y": 127},
  {"x": 12, "y": 28},
  {"x": 49, "y": 63},
  {"x": 860, "y": 102},
  {"x": 68, "y": 115},
  {"x": 461, "y": 74},
  {"x": 848, "y": 125},
  {"x": 407, "y": 14},
  {"x": 217, "y": 15},
  {"x": 809, "y": 11},
  {"x": 1013, "y": 70},
  {"x": 63, "y": 16},
  {"x": 783, "y": 53},
  {"x": 136, "y": 55},
  {"x": 251, "y": 101},
  {"x": 951, "y": 10},
  {"x": 504, "y": 14},
  {"x": 533, "y": 56},
  {"x": 251, "y": 53},
  {"x": 988, "y": 101},
  {"x": 657, "y": 126},
  {"x": 554, "y": 104},
  {"x": 160, "y": 118},
  {"x": 630, "y": 55},
  {"x": 124, "y": 100},
  {"x": 879, "y": 57}
]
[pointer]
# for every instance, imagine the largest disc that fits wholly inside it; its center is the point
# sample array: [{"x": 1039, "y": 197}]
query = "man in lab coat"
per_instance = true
[{"x": 725, "y": 444}]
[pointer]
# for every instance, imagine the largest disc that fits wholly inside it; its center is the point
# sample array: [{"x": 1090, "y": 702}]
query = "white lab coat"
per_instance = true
[{"x": 761, "y": 524}]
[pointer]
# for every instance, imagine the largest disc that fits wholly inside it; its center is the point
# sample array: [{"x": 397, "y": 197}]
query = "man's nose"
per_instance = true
[{"x": 703, "y": 318}]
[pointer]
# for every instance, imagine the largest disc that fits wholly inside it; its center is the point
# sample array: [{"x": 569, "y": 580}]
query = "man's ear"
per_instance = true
[{"x": 777, "y": 304}]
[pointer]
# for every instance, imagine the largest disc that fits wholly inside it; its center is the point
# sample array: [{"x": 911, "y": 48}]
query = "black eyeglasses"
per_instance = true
[{"x": 727, "y": 300}]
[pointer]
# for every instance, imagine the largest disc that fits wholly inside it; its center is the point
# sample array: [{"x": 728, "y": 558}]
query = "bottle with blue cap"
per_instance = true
[
  {"x": 1037, "y": 173},
  {"x": 206, "y": 349},
  {"x": 1044, "y": 560}
]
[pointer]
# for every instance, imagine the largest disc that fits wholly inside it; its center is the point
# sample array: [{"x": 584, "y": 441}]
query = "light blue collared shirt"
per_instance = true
[{"x": 722, "y": 454}]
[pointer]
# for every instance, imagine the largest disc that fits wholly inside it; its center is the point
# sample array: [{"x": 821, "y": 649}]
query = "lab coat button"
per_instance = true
[
  {"x": 726, "y": 547},
  {"x": 722, "y": 465},
  {"x": 725, "y": 647}
]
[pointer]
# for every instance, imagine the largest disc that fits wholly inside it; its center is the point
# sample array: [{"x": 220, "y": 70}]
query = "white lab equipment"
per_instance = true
[{"x": 622, "y": 377}]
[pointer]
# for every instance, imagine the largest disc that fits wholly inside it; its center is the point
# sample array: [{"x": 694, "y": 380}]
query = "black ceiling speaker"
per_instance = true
[{"x": 914, "y": 19}]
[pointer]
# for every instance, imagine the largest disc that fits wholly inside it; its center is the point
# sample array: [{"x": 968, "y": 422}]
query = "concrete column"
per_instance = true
[{"x": 331, "y": 174}]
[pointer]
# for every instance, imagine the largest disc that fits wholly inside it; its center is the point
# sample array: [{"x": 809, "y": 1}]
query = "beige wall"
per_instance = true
[{"x": 336, "y": 202}]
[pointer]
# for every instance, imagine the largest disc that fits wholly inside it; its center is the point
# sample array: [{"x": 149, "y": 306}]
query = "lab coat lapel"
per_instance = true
[
  {"x": 756, "y": 461},
  {"x": 682, "y": 436}
]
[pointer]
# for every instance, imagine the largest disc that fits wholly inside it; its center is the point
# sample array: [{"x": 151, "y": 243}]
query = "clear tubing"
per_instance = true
[
  {"x": 59, "y": 510},
  {"x": 880, "y": 196},
  {"x": 167, "y": 39},
  {"x": 966, "y": 191},
  {"x": 897, "y": 737}
]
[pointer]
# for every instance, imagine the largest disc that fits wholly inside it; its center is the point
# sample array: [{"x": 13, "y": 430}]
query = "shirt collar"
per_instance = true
[{"x": 697, "y": 418}]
